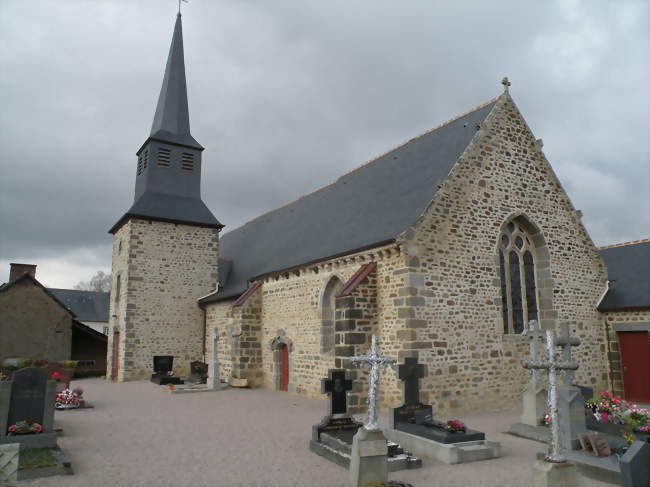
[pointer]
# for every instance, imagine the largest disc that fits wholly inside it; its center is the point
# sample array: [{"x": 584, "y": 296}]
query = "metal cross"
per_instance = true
[
  {"x": 552, "y": 366},
  {"x": 505, "y": 83},
  {"x": 374, "y": 361},
  {"x": 566, "y": 341}
]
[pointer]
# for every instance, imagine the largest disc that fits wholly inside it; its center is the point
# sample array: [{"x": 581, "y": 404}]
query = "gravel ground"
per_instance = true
[{"x": 140, "y": 435}]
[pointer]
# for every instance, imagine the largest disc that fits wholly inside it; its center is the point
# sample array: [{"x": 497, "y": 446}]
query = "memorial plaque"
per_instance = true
[{"x": 28, "y": 393}]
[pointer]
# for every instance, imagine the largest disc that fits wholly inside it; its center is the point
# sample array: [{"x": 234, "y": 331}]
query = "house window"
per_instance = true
[
  {"x": 164, "y": 157},
  {"x": 517, "y": 274}
]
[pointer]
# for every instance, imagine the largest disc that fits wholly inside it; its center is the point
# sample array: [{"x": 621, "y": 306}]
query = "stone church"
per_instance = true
[{"x": 445, "y": 247}]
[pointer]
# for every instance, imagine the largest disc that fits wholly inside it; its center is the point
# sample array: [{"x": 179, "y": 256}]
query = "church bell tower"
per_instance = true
[{"x": 165, "y": 247}]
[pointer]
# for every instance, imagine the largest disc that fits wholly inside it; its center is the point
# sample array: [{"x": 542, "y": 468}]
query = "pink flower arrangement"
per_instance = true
[
  {"x": 24, "y": 428},
  {"x": 454, "y": 425},
  {"x": 55, "y": 375}
]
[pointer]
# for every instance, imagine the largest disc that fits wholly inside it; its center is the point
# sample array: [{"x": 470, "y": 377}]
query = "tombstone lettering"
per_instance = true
[{"x": 28, "y": 396}]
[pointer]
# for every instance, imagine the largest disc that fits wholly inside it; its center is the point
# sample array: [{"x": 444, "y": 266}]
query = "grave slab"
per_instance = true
[
  {"x": 9, "y": 464},
  {"x": 635, "y": 465}
]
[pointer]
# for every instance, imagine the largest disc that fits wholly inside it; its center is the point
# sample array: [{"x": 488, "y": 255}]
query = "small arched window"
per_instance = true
[
  {"x": 517, "y": 273},
  {"x": 328, "y": 311}
]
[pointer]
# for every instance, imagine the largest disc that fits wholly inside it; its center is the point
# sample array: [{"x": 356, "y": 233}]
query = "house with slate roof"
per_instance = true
[
  {"x": 445, "y": 247},
  {"x": 39, "y": 323}
]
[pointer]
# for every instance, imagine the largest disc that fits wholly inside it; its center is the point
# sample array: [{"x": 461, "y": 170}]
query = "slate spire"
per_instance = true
[{"x": 171, "y": 122}]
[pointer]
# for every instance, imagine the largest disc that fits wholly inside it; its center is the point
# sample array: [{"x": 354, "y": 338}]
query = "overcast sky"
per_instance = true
[{"x": 287, "y": 95}]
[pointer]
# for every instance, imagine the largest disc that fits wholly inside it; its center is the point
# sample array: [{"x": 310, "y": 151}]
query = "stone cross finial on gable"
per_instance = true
[
  {"x": 506, "y": 84},
  {"x": 552, "y": 365},
  {"x": 566, "y": 341},
  {"x": 374, "y": 361}
]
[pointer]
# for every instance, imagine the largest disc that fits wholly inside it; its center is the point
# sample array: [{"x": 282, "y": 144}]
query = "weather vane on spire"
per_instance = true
[{"x": 179, "y": 5}]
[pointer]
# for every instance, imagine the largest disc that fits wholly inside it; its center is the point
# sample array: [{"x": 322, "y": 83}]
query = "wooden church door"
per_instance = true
[
  {"x": 635, "y": 360},
  {"x": 284, "y": 367},
  {"x": 116, "y": 354}
]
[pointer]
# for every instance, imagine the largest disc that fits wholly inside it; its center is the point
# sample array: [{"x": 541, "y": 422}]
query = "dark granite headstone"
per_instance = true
[
  {"x": 163, "y": 364},
  {"x": 198, "y": 372},
  {"x": 28, "y": 395},
  {"x": 336, "y": 386},
  {"x": 411, "y": 372},
  {"x": 635, "y": 465},
  {"x": 162, "y": 370}
]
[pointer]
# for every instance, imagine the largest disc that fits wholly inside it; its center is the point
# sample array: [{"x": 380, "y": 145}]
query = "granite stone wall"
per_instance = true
[
  {"x": 162, "y": 269},
  {"x": 455, "y": 307}
]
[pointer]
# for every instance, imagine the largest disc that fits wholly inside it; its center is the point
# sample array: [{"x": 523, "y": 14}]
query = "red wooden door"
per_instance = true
[
  {"x": 635, "y": 360},
  {"x": 284, "y": 367},
  {"x": 116, "y": 355}
]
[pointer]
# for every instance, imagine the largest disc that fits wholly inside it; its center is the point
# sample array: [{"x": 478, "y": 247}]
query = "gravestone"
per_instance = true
[
  {"x": 635, "y": 465},
  {"x": 198, "y": 372},
  {"x": 570, "y": 398},
  {"x": 412, "y": 425},
  {"x": 28, "y": 397},
  {"x": 337, "y": 421},
  {"x": 162, "y": 370}
]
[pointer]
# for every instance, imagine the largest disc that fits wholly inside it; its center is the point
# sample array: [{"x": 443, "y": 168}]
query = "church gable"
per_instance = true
[{"x": 501, "y": 183}]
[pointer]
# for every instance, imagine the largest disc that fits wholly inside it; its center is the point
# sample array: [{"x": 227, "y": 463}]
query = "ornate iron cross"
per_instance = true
[
  {"x": 411, "y": 372},
  {"x": 566, "y": 341},
  {"x": 374, "y": 361},
  {"x": 552, "y": 366},
  {"x": 336, "y": 386}
]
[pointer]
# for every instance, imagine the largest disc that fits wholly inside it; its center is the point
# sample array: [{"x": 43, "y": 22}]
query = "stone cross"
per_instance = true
[
  {"x": 214, "y": 381},
  {"x": 552, "y": 366},
  {"x": 535, "y": 335},
  {"x": 411, "y": 372},
  {"x": 336, "y": 386},
  {"x": 506, "y": 84},
  {"x": 374, "y": 361},
  {"x": 566, "y": 341}
]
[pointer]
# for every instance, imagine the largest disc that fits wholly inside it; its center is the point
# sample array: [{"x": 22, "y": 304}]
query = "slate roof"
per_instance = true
[
  {"x": 28, "y": 277},
  {"x": 365, "y": 208},
  {"x": 86, "y": 305},
  {"x": 628, "y": 267}
]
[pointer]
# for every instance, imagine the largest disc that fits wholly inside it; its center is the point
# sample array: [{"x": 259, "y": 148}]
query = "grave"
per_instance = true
[
  {"x": 213, "y": 380},
  {"x": 333, "y": 437},
  {"x": 9, "y": 464},
  {"x": 25, "y": 402},
  {"x": 198, "y": 372},
  {"x": 412, "y": 426},
  {"x": 162, "y": 370},
  {"x": 635, "y": 465}
]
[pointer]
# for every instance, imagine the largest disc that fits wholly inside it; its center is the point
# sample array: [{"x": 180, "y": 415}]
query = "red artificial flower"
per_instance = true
[
  {"x": 55, "y": 375},
  {"x": 12, "y": 428}
]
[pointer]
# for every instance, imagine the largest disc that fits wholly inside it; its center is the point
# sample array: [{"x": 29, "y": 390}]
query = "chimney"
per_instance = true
[{"x": 17, "y": 270}]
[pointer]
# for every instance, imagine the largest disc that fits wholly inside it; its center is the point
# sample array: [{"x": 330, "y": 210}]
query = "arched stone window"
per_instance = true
[
  {"x": 521, "y": 248},
  {"x": 328, "y": 309}
]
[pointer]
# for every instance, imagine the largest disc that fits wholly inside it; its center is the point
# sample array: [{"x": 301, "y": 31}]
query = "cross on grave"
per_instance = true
[
  {"x": 374, "y": 361},
  {"x": 566, "y": 341},
  {"x": 411, "y": 372},
  {"x": 552, "y": 366},
  {"x": 535, "y": 335},
  {"x": 336, "y": 386}
]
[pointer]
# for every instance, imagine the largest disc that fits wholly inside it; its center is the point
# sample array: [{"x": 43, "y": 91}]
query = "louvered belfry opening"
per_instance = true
[
  {"x": 187, "y": 161},
  {"x": 164, "y": 157}
]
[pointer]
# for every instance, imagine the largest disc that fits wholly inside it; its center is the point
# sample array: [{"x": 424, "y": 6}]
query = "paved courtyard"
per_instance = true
[{"x": 140, "y": 435}]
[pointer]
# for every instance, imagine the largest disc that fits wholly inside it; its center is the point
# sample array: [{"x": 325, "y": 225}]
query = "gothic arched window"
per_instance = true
[
  {"x": 517, "y": 273},
  {"x": 328, "y": 310}
]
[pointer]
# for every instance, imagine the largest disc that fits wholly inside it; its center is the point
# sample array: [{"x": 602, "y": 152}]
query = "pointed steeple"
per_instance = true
[{"x": 171, "y": 123}]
